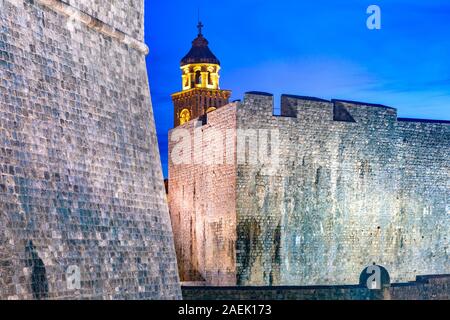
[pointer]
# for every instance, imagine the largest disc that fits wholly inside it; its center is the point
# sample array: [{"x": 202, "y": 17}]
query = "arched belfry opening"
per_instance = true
[{"x": 198, "y": 77}]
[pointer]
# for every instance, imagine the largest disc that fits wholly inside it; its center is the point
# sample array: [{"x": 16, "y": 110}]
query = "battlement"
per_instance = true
[
  {"x": 313, "y": 108},
  {"x": 306, "y": 107},
  {"x": 260, "y": 102}
]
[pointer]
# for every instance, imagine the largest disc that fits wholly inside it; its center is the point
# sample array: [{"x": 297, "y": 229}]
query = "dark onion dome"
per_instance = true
[{"x": 200, "y": 52}]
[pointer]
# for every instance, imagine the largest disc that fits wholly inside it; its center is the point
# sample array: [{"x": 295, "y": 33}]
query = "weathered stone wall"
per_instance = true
[
  {"x": 354, "y": 186},
  {"x": 424, "y": 288},
  {"x": 124, "y": 15},
  {"x": 424, "y": 197},
  {"x": 202, "y": 196},
  {"x": 80, "y": 177}
]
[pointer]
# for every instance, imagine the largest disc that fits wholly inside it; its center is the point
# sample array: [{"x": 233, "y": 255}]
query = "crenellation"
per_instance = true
[
  {"x": 259, "y": 102},
  {"x": 320, "y": 110},
  {"x": 306, "y": 108},
  {"x": 368, "y": 113}
]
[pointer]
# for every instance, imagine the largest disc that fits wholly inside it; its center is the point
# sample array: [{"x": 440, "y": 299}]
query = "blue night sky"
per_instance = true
[{"x": 318, "y": 48}]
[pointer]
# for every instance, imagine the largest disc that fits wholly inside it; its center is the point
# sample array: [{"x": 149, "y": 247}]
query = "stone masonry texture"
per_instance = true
[
  {"x": 81, "y": 185},
  {"x": 354, "y": 186},
  {"x": 202, "y": 199}
]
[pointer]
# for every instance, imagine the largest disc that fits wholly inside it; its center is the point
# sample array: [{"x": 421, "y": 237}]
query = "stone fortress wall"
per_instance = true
[
  {"x": 81, "y": 184},
  {"x": 354, "y": 186},
  {"x": 125, "y": 15},
  {"x": 202, "y": 198}
]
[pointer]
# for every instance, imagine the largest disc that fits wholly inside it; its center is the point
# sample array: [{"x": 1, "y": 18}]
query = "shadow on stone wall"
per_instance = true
[{"x": 39, "y": 283}]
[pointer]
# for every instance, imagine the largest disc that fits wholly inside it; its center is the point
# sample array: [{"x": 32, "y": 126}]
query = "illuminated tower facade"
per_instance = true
[{"x": 201, "y": 91}]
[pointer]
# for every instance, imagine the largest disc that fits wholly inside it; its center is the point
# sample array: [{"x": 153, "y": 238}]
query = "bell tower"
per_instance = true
[{"x": 201, "y": 91}]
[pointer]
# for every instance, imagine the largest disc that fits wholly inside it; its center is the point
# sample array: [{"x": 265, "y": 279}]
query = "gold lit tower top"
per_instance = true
[{"x": 201, "y": 91}]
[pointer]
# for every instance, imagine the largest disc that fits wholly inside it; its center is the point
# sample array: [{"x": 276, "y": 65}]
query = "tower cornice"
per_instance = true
[{"x": 195, "y": 91}]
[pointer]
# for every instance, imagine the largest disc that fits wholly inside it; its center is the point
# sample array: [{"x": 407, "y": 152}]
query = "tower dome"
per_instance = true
[{"x": 200, "y": 52}]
